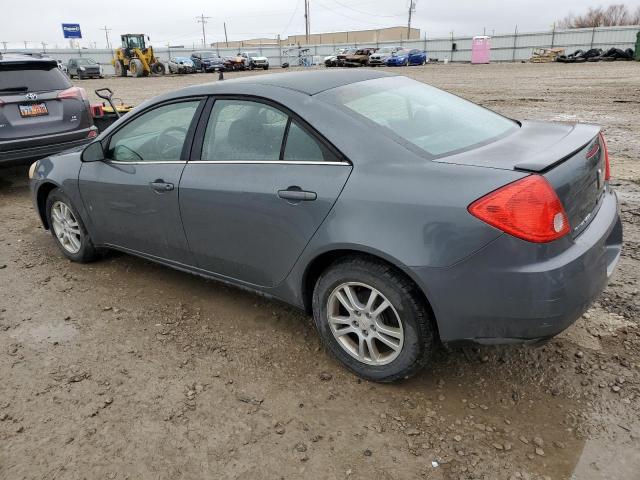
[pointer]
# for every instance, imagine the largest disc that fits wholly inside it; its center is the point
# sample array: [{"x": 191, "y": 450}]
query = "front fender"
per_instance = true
[{"x": 58, "y": 171}]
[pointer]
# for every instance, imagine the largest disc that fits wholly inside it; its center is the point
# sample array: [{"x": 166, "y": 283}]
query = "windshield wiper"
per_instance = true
[{"x": 14, "y": 89}]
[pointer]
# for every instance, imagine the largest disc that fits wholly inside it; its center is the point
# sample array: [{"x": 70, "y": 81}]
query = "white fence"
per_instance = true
[{"x": 504, "y": 48}]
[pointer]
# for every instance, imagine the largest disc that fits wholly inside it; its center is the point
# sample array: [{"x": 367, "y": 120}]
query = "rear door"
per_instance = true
[
  {"x": 133, "y": 194},
  {"x": 256, "y": 190},
  {"x": 37, "y": 99}
]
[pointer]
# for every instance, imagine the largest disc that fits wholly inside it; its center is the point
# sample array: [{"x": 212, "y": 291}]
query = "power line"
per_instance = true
[
  {"x": 367, "y": 13},
  {"x": 203, "y": 20},
  {"x": 295, "y": 10},
  {"x": 335, "y": 12}
]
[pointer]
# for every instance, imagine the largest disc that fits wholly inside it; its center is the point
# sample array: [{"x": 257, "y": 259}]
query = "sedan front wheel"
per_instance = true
[
  {"x": 67, "y": 228},
  {"x": 373, "y": 319}
]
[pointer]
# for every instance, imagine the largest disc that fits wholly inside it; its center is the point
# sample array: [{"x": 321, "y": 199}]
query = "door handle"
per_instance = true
[
  {"x": 296, "y": 194},
  {"x": 161, "y": 186}
]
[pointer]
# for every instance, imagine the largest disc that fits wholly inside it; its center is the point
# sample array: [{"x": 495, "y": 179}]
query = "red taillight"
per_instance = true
[
  {"x": 528, "y": 209},
  {"x": 607, "y": 165},
  {"x": 73, "y": 92}
]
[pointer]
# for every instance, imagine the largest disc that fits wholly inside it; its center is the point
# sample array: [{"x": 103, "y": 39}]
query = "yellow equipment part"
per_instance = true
[{"x": 134, "y": 56}]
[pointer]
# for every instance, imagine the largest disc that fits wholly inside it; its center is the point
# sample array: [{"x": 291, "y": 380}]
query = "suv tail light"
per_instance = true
[
  {"x": 607, "y": 165},
  {"x": 528, "y": 208},
  {"x": 73, "y": 92}
]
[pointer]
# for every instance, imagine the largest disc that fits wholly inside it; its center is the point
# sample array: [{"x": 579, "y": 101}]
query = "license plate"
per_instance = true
[{"x": 34, "y": 110}]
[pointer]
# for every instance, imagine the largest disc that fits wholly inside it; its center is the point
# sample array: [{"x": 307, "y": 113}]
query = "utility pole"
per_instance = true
[
  {"x": 412, "y": 8},
  {"x": 226, "y": 40},
  {"x": 44, "y": 47},
  {"x": 203, "y": 20},
  {"x": 5, "y": 45},
  {"x": 106, "y": 36},
  {"x": 25, "y": 44},
  {"x": 307, "y": 23}
]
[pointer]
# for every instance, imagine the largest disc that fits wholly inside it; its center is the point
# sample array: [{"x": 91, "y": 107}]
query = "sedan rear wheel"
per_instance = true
[
  {"x": 373, "y": 319},
  {"x": 67, "y": 228},
  {"x": 365, "y": 323}
]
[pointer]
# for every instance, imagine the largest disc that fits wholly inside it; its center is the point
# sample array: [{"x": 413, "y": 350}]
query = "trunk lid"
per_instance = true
[
  {"x": 571, "y": 158},
  {"x": 29, "y": 103}
]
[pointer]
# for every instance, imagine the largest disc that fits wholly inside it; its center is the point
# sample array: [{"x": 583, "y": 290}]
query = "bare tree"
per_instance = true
[{"x": 613, "y": 15}]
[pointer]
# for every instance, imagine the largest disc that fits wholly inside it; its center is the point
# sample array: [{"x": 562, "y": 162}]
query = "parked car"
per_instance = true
[
  {"x": 207, "y": 61},
  {"x": 404, "y": 58},
  {"x": 62, "y": 67},
  {"x": 467, "y": 234},
  {"x": 234, "y": 63},
  {"x": 181, "y": 65},
  {"x": 332, "y": 60},
  {"x": 83, "y": 67},
  {"x": 380, "y": 56},
  {"x": 342, "y": 57},
  {"x": 41, "y": 112},
  {"x": 359, "y": 57},
  {"x": 254, "y": 60}
]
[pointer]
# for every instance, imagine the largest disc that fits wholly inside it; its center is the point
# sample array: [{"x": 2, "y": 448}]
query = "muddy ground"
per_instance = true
[{"x": 123, "y": 369}]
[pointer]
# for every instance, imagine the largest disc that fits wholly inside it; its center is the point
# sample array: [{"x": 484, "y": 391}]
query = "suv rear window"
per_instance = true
[{"x": 31, "y": 78}]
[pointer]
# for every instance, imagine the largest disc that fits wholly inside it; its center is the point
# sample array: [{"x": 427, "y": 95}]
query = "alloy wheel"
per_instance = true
[
  {"x": 365, "y": 323},
  {"x": 66, "y": 227}
]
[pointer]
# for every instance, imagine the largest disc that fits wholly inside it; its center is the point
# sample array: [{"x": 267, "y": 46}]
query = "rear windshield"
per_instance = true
[
  {"x": 436, "y": 122},
  {"x": 31, "y": 78}
]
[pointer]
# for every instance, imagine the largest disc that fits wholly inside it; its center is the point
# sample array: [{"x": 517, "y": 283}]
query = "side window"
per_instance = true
[
  {"x": 243, "y": 130},
  {"x": 301, "y": 146},
  {"x": 157, "y": 135}
]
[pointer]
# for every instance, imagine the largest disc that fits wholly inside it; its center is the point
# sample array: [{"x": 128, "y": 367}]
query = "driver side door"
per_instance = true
[{"x": 132, "y": 195}]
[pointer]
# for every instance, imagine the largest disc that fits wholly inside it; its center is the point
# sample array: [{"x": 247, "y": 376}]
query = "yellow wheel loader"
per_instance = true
[{"x": 135, "y": 57}]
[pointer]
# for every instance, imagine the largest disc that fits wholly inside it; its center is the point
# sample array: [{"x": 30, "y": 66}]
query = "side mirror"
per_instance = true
[{"x": 94, "y": 152}]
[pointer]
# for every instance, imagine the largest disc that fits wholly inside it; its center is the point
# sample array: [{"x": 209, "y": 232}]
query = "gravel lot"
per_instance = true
[{"x": 123, "y": 369}]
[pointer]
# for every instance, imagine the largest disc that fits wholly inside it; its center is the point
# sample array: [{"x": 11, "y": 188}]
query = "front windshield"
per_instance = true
[
  {"x": 435, "y": 121},
  {"x": 386, "y": 50},
  {"x": 86, "y": 61},
  {"x": 208, "y": 55},
  {"x": 401, "y": 53},
  {"x": 253, "y": 54}
]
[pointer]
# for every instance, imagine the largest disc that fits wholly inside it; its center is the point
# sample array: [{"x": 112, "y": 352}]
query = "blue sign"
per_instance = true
[{"x": 71, "y": 30}]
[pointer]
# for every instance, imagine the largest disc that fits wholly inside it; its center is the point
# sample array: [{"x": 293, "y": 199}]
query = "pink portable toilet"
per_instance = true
[{"x": 481, "y": 50}]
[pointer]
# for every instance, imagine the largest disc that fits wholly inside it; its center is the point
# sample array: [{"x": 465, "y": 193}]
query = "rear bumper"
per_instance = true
[
  {"x": 513, "y": 291},
  {"x": 14, "y": 152}
]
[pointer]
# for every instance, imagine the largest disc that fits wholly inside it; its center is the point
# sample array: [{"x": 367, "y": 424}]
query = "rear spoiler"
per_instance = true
[{"x": 576, "y": 139}]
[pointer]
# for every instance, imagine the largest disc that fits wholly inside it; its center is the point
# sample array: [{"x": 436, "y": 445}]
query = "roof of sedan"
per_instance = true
[{"x": 313, "y": 82}]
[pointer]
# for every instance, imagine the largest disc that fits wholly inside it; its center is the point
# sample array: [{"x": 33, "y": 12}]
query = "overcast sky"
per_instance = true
[{"x": 174, "y": 22}]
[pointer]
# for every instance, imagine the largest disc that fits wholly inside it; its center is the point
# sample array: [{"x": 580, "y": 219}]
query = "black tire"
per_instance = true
[
  {"x": 266, "y": 67},
  {"x": 408, "y": 302},
  {"x": 87, "y": 251},
  {"x": 158, "y": 68},
  {"x": 120, "y": 68}
]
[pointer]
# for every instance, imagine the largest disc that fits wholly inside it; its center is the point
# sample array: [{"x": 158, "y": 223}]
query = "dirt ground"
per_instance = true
[{"x": 123, "y": 369}]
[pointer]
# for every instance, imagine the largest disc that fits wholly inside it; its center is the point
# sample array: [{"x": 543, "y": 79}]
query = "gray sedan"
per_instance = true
[{"x": 397, "y": 214}]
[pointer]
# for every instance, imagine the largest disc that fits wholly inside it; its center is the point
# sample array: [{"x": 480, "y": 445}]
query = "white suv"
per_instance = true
[{"x": 254, "y": 60}]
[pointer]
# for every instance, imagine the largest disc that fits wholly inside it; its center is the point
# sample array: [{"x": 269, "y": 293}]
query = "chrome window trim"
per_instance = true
[
  {"x": 138, "y": 162},
  {"x": 267, "y": 162}
]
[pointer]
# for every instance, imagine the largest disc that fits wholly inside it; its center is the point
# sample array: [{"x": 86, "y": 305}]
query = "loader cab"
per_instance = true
[{"x": 131, "y": 41}]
